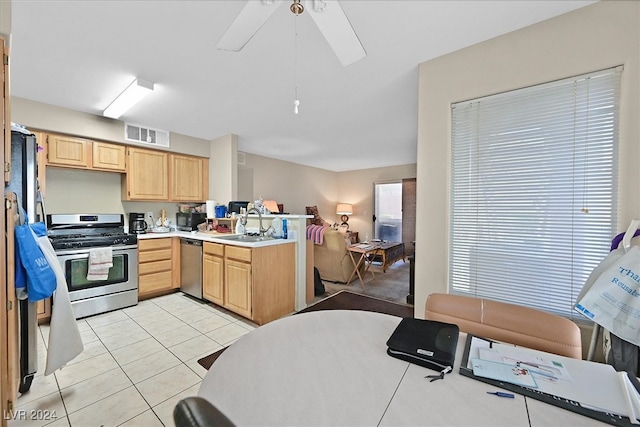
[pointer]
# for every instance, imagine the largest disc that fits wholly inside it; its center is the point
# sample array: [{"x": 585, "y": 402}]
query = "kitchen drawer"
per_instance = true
[
  {"x": 239, "y": 253},
  {"x": 151, "y": 244},
  {"x": 154, "y": 282},
  {"x": 154, "y": 267},
  {"x": 158, "y": 255},
  {"x": 213, "y": 248}
]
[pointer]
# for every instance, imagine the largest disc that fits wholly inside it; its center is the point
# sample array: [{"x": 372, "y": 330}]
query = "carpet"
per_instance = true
[
  {"x": 392, "y": 285},
  {"x": 343, "y": 300}
]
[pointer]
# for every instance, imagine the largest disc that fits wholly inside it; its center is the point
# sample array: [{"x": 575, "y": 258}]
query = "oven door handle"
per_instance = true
[{"x": 85, "y": 251}]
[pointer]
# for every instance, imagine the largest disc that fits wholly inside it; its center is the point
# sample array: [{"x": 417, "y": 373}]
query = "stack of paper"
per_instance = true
[
  {"x": 594, "y": 385},
  {"x": 365, "y": 246}
]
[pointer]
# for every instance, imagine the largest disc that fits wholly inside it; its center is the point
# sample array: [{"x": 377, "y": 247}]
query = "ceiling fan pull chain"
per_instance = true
[{"x": 296, "y": 102}]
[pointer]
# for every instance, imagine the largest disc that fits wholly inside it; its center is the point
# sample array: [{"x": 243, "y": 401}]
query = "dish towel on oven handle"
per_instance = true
[
  {"x": 65, "y": 342},
  {"x": 100, "y": 261}
]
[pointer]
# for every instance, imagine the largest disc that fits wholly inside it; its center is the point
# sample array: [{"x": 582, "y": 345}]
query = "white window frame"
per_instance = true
[{"x": 523, "y": 229}]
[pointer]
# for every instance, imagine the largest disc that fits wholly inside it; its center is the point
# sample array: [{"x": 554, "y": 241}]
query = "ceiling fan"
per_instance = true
[{"x": 327, "y": 14}]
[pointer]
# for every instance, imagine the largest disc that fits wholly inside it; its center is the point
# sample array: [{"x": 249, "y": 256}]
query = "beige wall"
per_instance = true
[
  {"x": 37, "y": 115},
  {"x": 294, "y": 185},
  {"x": 223, "y": 169},
  {"x": 298, "y": 186},
  {"x": 5, "y": 21},
  {"x": 602, "y": 35},
  {"x": 81, "y": 191},
  {"x": 72, "y": 191},
  {"x": 356, "y": 187}
]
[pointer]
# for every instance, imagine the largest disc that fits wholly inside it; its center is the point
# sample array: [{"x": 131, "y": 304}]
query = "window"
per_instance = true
[{"x": 533, "y": 194}]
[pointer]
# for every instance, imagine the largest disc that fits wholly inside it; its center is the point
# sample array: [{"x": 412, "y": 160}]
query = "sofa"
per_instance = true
[{"x": 332, "y": 259}]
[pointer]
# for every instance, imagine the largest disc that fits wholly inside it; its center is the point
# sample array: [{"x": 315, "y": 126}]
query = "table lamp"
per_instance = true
[
  {"x": 344, "y": 209},
  {"x": 271, "y": 205}
]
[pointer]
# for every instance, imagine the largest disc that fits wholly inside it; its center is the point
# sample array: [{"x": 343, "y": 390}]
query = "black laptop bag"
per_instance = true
[{"x": 426, "y": 343}]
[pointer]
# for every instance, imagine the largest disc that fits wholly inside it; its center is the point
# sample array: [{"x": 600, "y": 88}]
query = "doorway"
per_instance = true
[
  {"x": 395, "y": 212},
  {"x": 387, "y": 218}
]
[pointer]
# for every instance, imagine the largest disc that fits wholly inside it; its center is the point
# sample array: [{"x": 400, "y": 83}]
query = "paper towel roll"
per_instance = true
[{"x": 211, "y": 208}]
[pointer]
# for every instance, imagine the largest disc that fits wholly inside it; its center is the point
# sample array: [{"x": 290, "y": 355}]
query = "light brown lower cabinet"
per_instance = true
[
  {"x": 213, "y": 272},
  {"x": 256, "y": 283},
  {"x": 156, "y": 268},
  {"x": 43, "y": 310}
]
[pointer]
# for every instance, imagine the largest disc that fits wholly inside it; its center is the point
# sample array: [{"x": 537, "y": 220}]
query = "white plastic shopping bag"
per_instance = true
[{"x": 611, "y": 295}]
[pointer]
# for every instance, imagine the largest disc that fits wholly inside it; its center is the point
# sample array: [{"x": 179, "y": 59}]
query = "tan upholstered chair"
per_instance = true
[
  {"x": 332, "y": 260},
  {"x": 508, "y": 323}
]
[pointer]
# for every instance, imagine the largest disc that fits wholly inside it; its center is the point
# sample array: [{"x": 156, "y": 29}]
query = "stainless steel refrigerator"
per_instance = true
[{"x": 24, "y": 182}]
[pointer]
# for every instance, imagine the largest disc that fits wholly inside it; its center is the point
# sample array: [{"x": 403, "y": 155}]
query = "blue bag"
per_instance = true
[
  {"x": 20, "y": 279},
  {"x": 40, "y": 278}
]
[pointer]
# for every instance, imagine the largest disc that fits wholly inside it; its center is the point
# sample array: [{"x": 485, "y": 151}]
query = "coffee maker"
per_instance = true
[{"x": 137, "y": 224}]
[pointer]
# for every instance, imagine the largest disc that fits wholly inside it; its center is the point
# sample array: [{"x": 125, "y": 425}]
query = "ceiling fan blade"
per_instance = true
[
  {"x": 251, "y": 18},
  {"x": 336, "y": 28}
]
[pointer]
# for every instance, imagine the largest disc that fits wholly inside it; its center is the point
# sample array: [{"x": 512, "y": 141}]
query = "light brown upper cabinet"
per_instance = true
[
  {"x": 41, "y": 140},
  {"x": 157, "y": 175},
  {"x": 68, "y": 151},
  {"x": 147, "y": 176},
  {"x": 109, "y": 156},
  {"x": 189, "y": 178}
]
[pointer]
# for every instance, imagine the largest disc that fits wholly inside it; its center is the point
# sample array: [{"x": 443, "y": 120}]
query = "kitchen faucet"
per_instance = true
[{"x": 244, "y": 219}]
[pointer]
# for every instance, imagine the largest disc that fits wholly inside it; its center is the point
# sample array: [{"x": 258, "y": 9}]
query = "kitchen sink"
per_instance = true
[{"x": 246, "y": 238}]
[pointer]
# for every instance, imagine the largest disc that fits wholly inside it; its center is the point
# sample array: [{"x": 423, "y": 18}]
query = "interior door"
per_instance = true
[
  {"x": 9, "y": 362},
  {"x": 9, "y": 367},
  {"x": 5, "y": 108}
]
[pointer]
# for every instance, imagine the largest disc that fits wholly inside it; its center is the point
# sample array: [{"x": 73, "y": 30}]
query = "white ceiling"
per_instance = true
[{"x": 82, "y": 54}]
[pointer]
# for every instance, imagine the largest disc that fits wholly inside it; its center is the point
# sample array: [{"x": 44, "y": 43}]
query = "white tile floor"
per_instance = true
[{"x": 137, "y": 363}]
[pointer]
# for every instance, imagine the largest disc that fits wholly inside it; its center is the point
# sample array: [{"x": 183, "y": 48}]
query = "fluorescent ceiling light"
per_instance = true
[{"x": 127, "y": 99}]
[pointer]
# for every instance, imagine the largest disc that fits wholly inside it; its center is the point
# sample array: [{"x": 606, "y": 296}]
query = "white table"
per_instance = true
[{"x": 331, "y": 368}]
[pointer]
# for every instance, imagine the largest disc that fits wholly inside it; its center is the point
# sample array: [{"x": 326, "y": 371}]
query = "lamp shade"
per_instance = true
[
  {"x": 272, "y": 205},
  {"x": 344, "y": 209}
]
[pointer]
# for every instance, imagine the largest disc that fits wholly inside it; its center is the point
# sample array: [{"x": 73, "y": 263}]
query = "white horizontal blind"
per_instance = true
[{"x": 533, "y": 195}]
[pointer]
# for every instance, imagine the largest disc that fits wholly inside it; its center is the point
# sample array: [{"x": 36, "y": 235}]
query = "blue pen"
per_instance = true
[{"x": 501, "y": 394}]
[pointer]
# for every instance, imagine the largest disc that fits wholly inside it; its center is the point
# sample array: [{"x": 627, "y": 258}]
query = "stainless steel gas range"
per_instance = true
[{"x": 73, "y": 236}]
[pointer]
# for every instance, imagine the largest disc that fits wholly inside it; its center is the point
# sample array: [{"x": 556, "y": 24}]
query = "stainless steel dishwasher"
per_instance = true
[{"x": 191, "y": 267}]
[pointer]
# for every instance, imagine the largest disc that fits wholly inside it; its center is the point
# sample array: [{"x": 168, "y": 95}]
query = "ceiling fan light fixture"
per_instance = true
[
  {"x": 296, "y": 7},
  {"x": 319, "y": 5},
  {"x": 327, "y": 14}
]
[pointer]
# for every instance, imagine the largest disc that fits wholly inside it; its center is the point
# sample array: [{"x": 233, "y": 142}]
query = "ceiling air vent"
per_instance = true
[{"x": 146, "y": 135}]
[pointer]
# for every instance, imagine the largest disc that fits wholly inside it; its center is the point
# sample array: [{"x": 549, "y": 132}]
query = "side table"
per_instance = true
[
  {"x": 365, "y": 252},
  {"x": 388, "y": 253}
]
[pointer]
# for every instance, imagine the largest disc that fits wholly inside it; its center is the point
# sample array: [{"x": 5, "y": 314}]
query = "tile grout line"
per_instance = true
[{"x": 229, "y": 318}]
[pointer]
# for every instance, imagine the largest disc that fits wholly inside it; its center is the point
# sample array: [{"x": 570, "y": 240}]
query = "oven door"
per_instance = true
[{"x": 123, "y": 276}]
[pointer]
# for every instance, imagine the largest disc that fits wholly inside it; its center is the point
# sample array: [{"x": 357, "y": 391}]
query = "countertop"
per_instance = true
[{"x": 215, "y": 238}]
